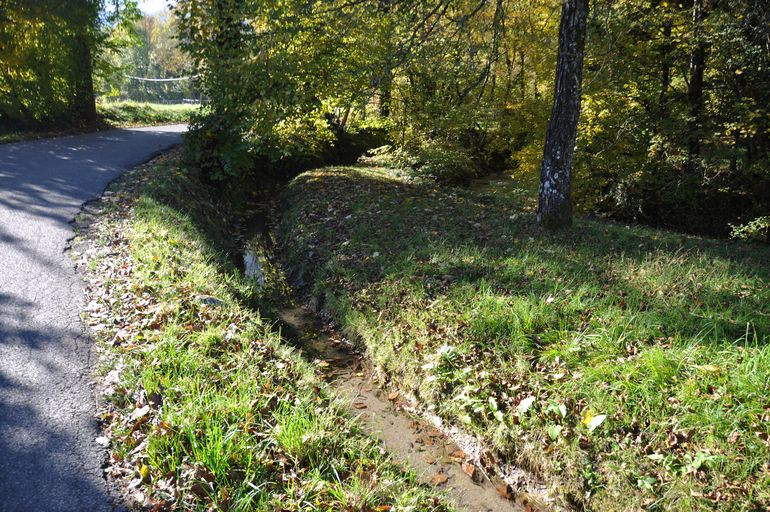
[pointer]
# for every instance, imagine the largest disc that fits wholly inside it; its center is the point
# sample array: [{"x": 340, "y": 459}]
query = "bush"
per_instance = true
[
  {"x": 436, "y": 161},
  {"x": 217, "y": 148},
  {"x": 758, "y": 230},
  {"x": 224, "y": 147}
]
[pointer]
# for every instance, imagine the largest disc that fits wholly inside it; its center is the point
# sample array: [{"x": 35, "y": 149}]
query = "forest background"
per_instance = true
[{"x": 674, "y": 125}]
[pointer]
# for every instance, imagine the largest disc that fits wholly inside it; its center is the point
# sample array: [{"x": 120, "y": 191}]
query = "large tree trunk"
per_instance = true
[
  {"x": 85, "y": 100},
  {"x": 555, "y": 203},
  {"x": 695, "y": 88},
  {"x": 84, "y": 20}
]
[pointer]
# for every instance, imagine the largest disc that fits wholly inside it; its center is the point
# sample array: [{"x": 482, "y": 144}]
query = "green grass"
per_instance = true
[
  {"x": 117, "y": 114},
  {"x": 628, "y": 366},
  {"x": 129, "y": 113},
  {"x": 212, "y": 411}
]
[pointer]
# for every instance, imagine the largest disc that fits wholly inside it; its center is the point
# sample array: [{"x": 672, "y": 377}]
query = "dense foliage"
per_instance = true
[
  {"x": 674, "y": 124},
  {"x": 50, "y": 54}
]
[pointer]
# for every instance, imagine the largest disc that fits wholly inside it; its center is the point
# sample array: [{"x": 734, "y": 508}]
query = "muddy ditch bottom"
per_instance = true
[{"x": 412, "y": 441}]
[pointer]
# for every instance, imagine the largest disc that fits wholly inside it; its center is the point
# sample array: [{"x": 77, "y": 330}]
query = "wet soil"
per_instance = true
[{"x": 457, "y": 466}]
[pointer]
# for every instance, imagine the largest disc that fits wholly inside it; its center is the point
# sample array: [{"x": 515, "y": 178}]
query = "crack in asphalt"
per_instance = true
[{"x": 49, "y": 460}]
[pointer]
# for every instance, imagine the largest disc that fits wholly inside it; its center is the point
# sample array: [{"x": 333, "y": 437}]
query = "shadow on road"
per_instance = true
[{"x": 48, "y": 456}]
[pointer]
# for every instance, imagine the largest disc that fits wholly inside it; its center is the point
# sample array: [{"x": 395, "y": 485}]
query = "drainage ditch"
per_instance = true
[{"x": 442, "y": 456}]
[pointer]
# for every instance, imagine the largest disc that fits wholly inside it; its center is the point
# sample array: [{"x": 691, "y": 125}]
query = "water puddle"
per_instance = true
[{"x": 254, "y": 263}]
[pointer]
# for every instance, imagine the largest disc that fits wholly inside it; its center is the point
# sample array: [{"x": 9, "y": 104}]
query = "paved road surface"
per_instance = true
[{"x": 48, "y": 458}]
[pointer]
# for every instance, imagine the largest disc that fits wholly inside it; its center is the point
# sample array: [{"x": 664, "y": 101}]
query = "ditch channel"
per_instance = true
[{"x": 473, "y": 478}]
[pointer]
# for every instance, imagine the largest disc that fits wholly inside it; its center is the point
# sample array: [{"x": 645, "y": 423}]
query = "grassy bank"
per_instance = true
[
  {"x": 205, "y": 408},
  {"x": 122, "y": 114},
  {"x": 630, "y": 367},
  {"x": 130, "y": 113}
]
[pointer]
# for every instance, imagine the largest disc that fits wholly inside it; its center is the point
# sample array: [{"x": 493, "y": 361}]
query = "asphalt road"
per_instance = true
[{"x": 49, "y": 460}]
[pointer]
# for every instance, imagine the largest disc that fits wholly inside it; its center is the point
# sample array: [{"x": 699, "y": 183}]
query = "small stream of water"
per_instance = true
[{"x": 441, "y": 456}]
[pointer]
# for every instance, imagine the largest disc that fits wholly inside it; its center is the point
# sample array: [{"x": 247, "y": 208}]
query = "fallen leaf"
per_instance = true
[
  {"x": 201, "y": 489},
  {"x": 469, "y": 469},
  {"x": 505, "y": 491},
  {"x": 488, "y": 458},
  {"x": 359, "y": 405},
  {"x": 393, "y": 395},
  {"x": 525, "y": 404},
  {"x": 138, "y": 413},
  {"x": 144, "y": 473},
  {"x": 672, "y": 439},
  {"x": 588, "y": 415},
  {"x": 596, "y": 421},
  {"x": 439, "y": 479}
]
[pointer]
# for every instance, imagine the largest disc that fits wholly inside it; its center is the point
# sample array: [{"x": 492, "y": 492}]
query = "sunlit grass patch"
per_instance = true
[
  {"x": 130, "y": 113},
  {"x": 110, "y": 115},
  {"x": 628, "y": 365},
  {"x": 207, "y": 408}
]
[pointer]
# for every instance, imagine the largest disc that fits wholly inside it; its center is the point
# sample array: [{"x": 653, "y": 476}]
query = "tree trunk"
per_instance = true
[
  {"x": 345, "y": 116},
  {"x": 386, "y": 91},
  {"x": 695, "y": 88},
  {"x": 85, "y": 100},
  {"x": 666, "y": 49},
  {"x": 665, "y": 52},
  {"x": 555, "y": 203}
]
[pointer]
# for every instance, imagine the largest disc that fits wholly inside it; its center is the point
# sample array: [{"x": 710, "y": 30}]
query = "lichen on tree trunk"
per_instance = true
[{"x": 555, "y": 200}]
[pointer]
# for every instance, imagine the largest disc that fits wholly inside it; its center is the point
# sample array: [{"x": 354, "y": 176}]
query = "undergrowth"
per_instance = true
[
  {"x": 130, "y": 113},
  {"x": 205, "y": 408},
  {"x": 110, "y": 115},
  {"x": 630, "y": 367}
]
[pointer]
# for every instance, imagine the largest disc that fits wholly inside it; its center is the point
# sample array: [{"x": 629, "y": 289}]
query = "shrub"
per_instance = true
[
  {"x": 757, "y": 230},
  {"x": 440, "y": 162},
  {"x": 217, "y": 148}
]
